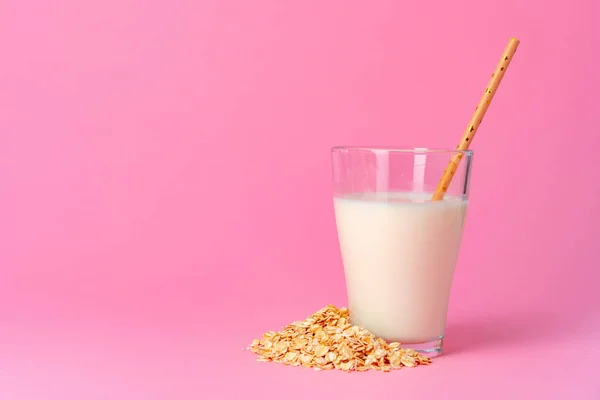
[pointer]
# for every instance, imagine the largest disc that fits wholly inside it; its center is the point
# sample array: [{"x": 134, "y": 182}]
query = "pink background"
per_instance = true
[{"x": 165, "y": 190}]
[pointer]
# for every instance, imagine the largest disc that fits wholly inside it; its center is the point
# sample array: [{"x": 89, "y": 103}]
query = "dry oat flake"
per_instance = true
[{"x": 327, "y": 340}]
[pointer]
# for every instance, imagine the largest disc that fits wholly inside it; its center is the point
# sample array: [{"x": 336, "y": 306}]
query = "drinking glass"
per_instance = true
[{"x": 399, "y": 247}]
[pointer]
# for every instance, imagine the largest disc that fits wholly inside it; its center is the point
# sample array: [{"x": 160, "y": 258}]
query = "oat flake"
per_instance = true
[{"x": 326, "y": 340}]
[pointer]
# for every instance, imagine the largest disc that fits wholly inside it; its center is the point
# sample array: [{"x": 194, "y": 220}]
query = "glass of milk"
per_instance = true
[{"x": 399, "y": 247}]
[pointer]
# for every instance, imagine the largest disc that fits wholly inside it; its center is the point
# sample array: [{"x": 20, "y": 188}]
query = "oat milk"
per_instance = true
[{"x": 399, "y": 252}]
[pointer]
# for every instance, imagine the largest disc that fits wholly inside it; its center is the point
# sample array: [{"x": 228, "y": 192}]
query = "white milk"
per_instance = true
[{"x": 399, "y": 252}]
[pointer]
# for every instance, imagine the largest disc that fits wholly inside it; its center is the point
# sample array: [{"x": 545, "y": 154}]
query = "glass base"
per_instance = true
[{"x": 430, "y": 349}]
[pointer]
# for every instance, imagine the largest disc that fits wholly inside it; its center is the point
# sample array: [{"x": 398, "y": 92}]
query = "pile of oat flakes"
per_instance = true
[{"x": 327, "y": 340}]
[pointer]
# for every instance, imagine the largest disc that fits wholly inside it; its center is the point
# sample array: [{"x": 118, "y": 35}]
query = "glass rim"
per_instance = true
[{"x": 411, "y": 150}]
